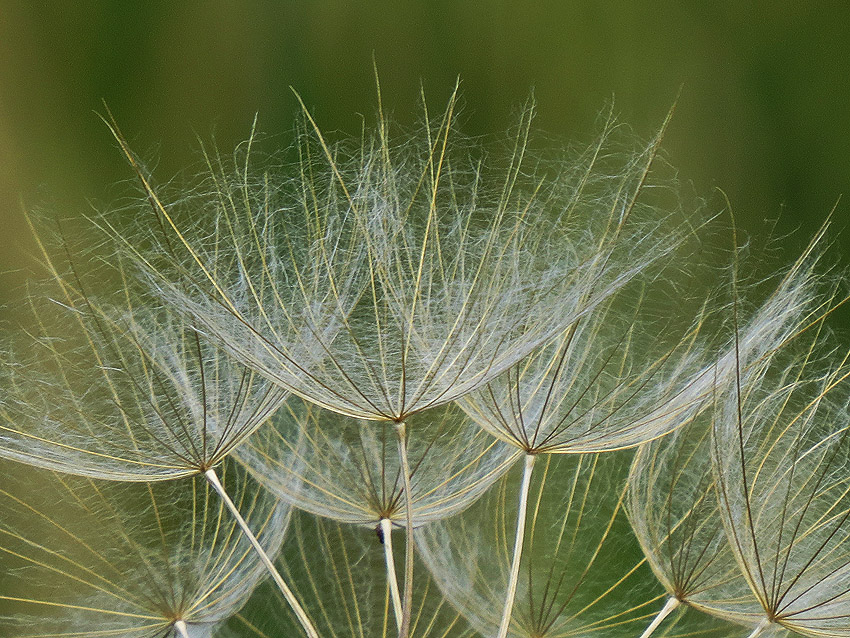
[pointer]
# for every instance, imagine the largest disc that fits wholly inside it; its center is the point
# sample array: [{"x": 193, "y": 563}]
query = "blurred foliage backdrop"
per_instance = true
[{"x": 763, "y": 111}]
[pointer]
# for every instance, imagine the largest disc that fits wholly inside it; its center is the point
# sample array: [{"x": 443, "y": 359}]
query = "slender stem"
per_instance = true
[
  {"x": 403, "y": 631},
  {"x": 181, "y": 628},
  {"x": 392, "y": 579},
  {"x": 518, "y": 541},
  {"x": 759, "y": 628},
  {"x": 299, "y": 612},
  {"x": 666, "y": 610}
]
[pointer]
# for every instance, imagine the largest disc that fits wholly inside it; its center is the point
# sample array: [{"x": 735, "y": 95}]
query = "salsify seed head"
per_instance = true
[
  {"x": 400, "y": 272},
  {"x": 338, "y": 572},
  {"x": 580, "y": 572},
  {"x": 781, "y": 458},
  {"x": 672, "y": 499},
  {"x": 348, "y": 469},
  {"x": 103, "y": 558},
  {"x": 121, "y": 387}
]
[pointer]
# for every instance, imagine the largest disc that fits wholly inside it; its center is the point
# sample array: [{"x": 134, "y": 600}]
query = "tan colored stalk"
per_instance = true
[
  {"x": 518, "y": 541},
  {"x": 759, "y": 628},
  {"x": 392, "y": 579},
  {"x": 666, "y": 610},
  {"x": 299, "y": 612},
  {"x": 404, "y": 629}
]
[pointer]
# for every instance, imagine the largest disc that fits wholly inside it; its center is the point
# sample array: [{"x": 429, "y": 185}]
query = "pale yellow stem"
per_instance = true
[
  {"x": 404, "y": 629},
  {"x": 181, "y": 628},
  {"x": 666, "y": 610},
  {"x": 392, "y": 579},
  {"x": 759, "y": 628},
  {"x": 299, "y": 612},
  {"x": 518, "y": 541}
]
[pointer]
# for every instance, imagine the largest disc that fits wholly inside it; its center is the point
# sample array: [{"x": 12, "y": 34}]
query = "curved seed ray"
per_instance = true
[
  {"x": 673, "y": 510},
  {"x": 611, "y": 381},
  {"x": 381, "y": 277},
  {"x": 390, "y": 276},
  {"x": 672, "y": 499}
]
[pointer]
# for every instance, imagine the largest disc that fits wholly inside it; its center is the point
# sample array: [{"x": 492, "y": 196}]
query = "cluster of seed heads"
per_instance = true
[{"x": 507, "y": 366}]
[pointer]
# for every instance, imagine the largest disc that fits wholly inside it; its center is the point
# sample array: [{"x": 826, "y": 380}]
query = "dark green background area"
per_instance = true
[{"x": 763, "y": 112}]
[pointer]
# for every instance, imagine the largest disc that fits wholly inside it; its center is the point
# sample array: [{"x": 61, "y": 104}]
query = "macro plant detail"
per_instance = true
[
  {"x": 366, "y": 335},
  {"x": 427, "y": 260},
  {"x": 451, "y": 259},
  {"x": 348, "y": 469},
  {"x": 672, "y": 500},
  {"x": 557, "y": 593},
  {"x": 599, "y": 386},
  {"x": 129, "y": 559},
  {"x": 781, "y": 461},
  {"x": 128, "y": 392},
  {"x": 336, "y": 571}
]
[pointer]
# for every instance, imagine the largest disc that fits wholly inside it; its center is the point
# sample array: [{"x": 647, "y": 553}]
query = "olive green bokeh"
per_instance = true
[{"x": 763, "y": 111}]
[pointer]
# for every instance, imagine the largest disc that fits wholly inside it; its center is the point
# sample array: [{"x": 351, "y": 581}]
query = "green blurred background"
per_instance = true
[{"x": 763, "y": 111}]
